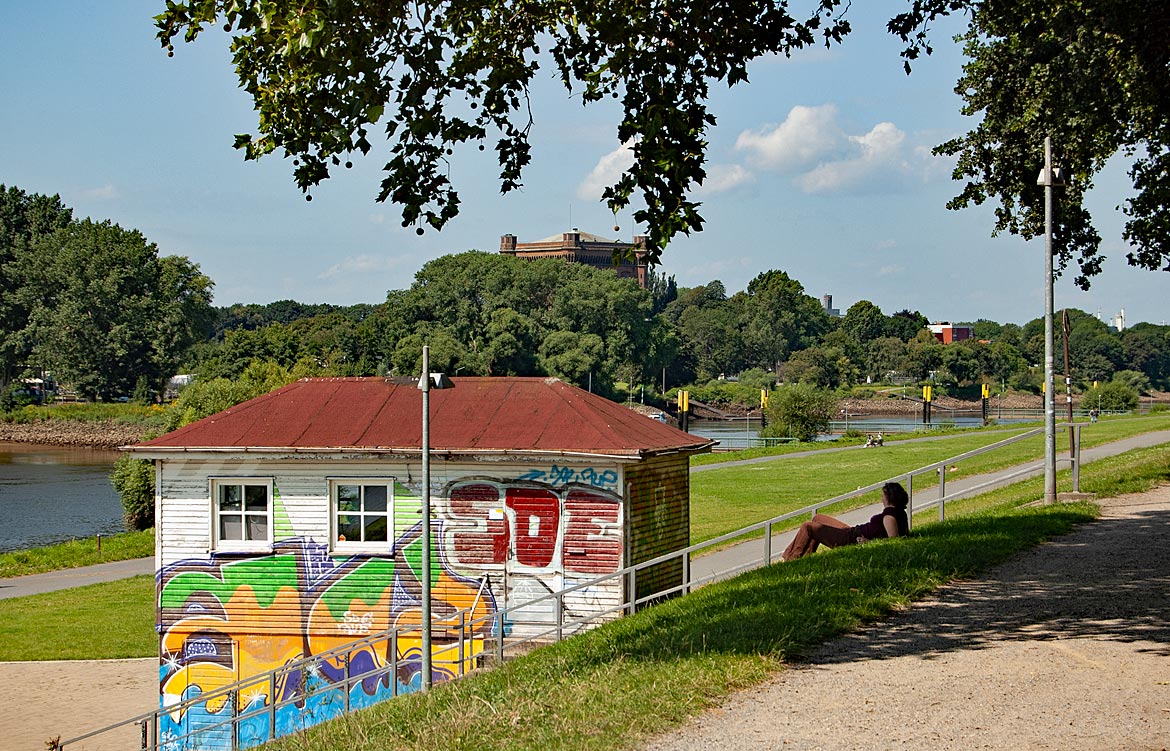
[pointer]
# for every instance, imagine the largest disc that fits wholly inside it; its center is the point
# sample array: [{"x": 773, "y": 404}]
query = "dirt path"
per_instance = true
[
  {"x": 1066, "y": 646},
  {"x": 43, "y": 700}
]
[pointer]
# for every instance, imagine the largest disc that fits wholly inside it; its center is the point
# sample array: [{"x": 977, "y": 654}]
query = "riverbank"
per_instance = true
[{"x": 95, "y": 434}]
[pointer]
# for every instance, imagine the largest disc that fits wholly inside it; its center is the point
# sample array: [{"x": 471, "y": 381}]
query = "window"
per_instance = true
[
  {"x": 243, "y": 513},
  {"x": 363, "y": 514}
]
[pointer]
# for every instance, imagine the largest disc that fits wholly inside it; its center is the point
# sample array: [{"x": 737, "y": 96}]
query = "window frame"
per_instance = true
[
  {"x": 218, "y": 543},
  {"x": 362, "y": 546}
]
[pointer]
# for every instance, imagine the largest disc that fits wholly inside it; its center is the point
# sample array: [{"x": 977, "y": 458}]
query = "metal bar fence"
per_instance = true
[{"x": 469, "y": 643}]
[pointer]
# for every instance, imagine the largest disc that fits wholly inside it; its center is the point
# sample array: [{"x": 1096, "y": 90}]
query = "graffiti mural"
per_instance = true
[
  {"x": 238, "y": 617},
  {"x": 577, "y": 528},
  {"x": 229, "y": 619}
]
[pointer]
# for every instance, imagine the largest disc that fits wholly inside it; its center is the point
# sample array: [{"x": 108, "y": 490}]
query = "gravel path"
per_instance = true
[{"x": 1066, "y": 646}]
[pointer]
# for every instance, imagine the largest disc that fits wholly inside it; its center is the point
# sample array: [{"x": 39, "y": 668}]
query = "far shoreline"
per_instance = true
[{"x": 105, "y": 434}]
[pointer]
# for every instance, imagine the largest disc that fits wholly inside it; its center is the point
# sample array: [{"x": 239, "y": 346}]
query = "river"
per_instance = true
[{"x": 51, "y": 494}]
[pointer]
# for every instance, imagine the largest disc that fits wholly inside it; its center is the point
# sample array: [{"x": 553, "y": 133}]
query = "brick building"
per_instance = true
[{"x": 586, "y": 248}]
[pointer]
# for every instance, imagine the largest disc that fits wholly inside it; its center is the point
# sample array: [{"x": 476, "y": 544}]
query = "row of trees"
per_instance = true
[
  {"x": 486, "y": 314},
  {"x": 91, "y": 302}
]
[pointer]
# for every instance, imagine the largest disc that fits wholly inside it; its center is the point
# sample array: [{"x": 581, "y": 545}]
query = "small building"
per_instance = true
[
  {"x": 291, "y": 524},
  {"x": 949, "y": 334},
  {"x": 582, "y": 247},
  {"x": 827, "y": 306}
]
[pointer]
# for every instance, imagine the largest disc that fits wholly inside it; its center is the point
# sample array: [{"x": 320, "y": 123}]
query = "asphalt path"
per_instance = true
[{"x": 717, "y": 564}]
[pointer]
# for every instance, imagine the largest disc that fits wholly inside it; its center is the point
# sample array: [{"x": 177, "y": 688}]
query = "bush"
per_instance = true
[
  {"x": 799, "y": 410},
  {"x": 134, "y": 481},
  {"x": 1114, "y": 396}
]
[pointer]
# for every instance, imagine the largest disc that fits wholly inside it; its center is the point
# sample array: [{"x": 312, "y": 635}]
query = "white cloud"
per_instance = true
[
  {"x": 807, "y": 135},
  {"x": 362, "y": 264},
  {"x": 887, "y": 244},
  {"x": 890, "y": 270},
  {"x": 105, "y": 193},
  {"x": 723, "y": 177},
  {"x": 823, "y": 157},
  {"x": 609, "y": 168},
  {"x": 878, "y": 154}
]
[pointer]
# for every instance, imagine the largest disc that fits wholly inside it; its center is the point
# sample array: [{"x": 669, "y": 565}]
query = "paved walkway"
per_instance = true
[{"x": 22, "y": 586}]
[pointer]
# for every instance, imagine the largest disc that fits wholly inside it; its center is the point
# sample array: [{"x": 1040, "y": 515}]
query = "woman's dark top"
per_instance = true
[{"x": 874, "y": 529}]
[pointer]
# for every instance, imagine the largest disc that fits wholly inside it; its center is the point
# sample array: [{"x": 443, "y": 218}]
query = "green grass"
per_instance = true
[
  {"x": 146, "y": 415},
  {"x": 724, "y": 500},
  {"x": 80, "y": 552},
  {"x": 96, "y": 622}
]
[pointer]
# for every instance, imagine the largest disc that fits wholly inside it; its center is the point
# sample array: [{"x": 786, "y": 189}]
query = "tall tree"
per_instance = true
[
  {"x": 24, "y": 218},
  {"x": 779, "y": 318},
  {"x": 107, "y": 311},
  {"x": 1092, "y": 74}
]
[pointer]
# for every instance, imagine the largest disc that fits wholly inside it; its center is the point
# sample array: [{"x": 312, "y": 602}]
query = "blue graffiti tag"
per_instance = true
[{"x": 560, "y": 476}]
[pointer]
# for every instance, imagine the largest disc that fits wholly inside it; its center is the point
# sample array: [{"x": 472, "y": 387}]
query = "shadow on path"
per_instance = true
[{"x": 1106, "y": 580}]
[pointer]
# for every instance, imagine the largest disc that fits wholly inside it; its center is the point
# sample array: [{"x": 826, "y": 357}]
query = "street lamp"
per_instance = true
[
  {"x": 1049, "y": 177},
  {"x": 427, "y": 382}
]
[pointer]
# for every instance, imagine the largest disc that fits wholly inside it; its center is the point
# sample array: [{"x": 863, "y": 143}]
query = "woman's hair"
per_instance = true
[{"x": 896, "y": 495}]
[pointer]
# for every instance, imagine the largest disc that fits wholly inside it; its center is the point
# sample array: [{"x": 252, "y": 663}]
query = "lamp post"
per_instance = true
[
  {"x": 427, "y": 382},
  {"x": 1049, "y": 178}
]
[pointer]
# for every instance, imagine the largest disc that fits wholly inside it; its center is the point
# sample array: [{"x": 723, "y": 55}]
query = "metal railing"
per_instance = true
[{"x": 244, "y": 720}]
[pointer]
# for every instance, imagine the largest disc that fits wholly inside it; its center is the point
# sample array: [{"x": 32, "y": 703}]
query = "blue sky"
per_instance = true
[{"x": 819, "y": 167}]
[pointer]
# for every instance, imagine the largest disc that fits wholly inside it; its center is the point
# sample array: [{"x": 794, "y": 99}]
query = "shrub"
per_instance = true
[
  {"x": 799, "y": 410},
  {"x": 1114, "y": 396},
  {"x": 134, "y": 481}
]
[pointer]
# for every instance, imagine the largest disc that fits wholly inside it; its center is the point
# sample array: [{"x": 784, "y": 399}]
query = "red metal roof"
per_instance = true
[{"x": 482, "y": 415}]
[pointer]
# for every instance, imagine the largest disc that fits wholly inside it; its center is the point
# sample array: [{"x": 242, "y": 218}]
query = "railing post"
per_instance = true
[
  {"x": 235, "y": 713},
  {"x": 394, "y": 662},
  {"x": 345, "y": 666},
  {"x": 462, "y": 642},
  {"x": 942, "y": 492},
  {"x": 500, "y": 636},
  {"x": 686, "y": 565},
  {"x": 145, "y": 730},
  {"x": 272, "y": 706},
  {"x": 910, "y": 503},
  {"x": 560, "y": 604},
  {"x": 768, "y": 544},
  {"x": 1075, "y": 452},
  {"x": 631, "y": 591}
]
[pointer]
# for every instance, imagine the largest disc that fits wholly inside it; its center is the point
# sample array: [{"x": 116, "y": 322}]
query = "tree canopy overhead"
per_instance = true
[
  {"x": 1092, "y": 74},
  {"x": 433, "y": 75},
  {"x": 436, "y": 74}
]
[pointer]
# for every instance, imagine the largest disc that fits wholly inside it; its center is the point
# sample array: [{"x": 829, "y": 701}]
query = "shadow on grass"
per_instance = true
[{"x": 1108, "y": 578}]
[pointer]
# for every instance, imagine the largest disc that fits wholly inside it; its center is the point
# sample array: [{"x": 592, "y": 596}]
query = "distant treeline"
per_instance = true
[{"x": 98, "y": 307}]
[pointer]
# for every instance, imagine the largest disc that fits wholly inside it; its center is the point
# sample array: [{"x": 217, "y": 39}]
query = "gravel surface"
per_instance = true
[{"x": 1065, "y": 646}]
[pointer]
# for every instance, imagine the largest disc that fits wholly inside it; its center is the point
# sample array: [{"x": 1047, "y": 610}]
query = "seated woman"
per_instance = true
[{"x": 825, "y": 530}]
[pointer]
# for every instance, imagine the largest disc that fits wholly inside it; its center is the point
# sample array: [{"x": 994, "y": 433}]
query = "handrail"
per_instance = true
[{"x": 494, "y": 624}]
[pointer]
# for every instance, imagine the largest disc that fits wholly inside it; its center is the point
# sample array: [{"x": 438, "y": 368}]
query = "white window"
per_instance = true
[
  {"x": 362, "y": 514},
  {"x": 242, "y": 513}
]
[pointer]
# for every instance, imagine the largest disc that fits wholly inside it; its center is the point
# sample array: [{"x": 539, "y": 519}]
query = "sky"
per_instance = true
[{"x": 819, "y": 167}]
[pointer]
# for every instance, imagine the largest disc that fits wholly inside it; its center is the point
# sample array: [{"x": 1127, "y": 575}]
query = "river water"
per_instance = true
[{"x": 51, "y": 494}]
